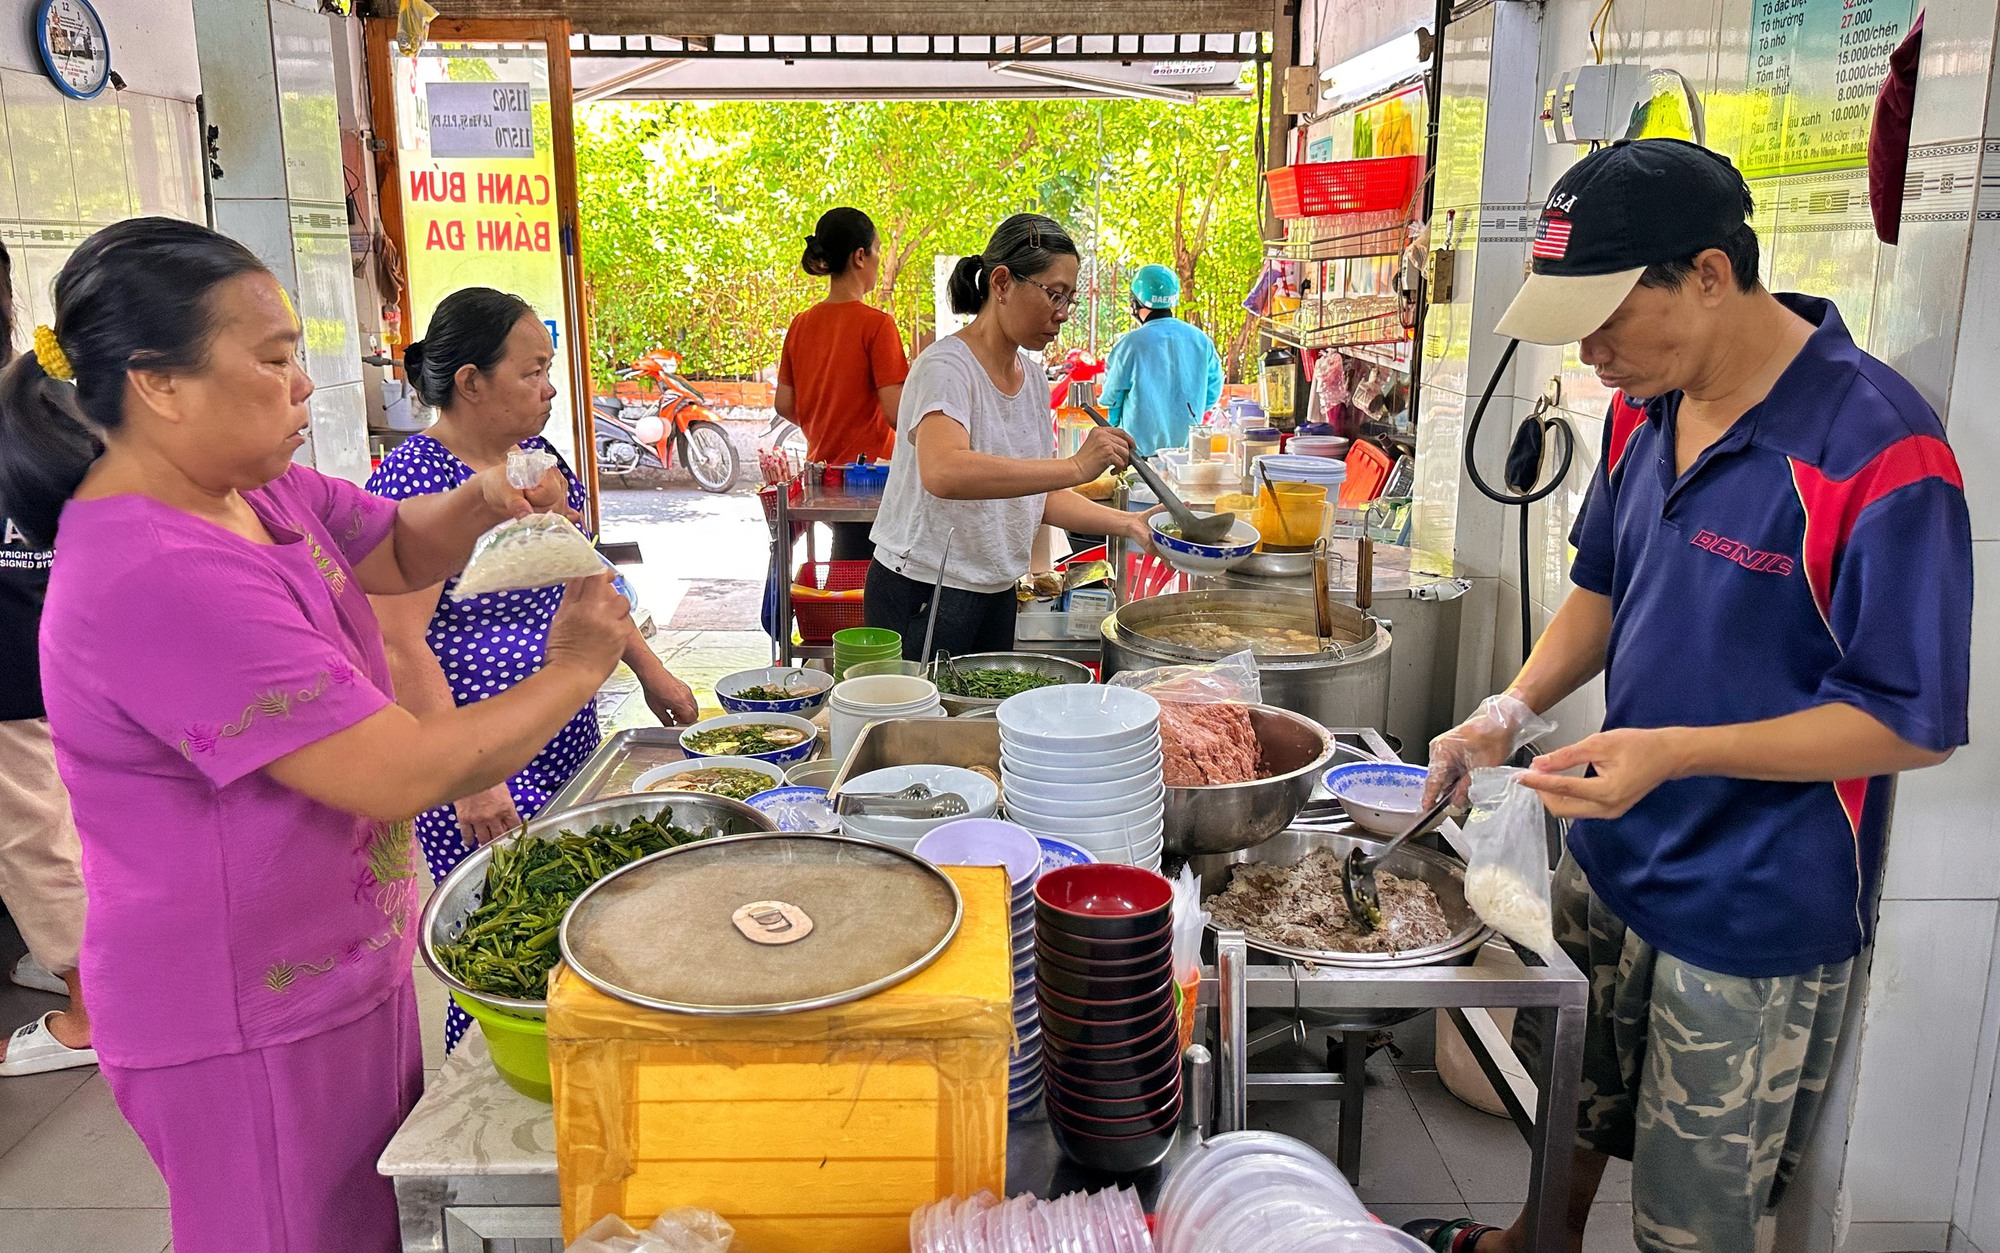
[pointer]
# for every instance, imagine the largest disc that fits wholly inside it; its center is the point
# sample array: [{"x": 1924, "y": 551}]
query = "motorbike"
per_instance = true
[{"x": 649, "y": 434}]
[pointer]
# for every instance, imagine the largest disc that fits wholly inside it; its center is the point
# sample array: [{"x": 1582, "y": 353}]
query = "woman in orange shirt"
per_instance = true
[{"x": 841, "y": 376}]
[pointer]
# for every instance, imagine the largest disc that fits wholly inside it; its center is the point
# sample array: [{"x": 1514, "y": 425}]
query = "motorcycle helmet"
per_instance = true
[{"x": 1156, "y": 287}]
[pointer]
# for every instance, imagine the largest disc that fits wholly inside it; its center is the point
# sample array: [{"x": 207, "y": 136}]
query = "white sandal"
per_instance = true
[
  {"x": 34, "y": 1050},
  {"x": 30, "y": 973}
]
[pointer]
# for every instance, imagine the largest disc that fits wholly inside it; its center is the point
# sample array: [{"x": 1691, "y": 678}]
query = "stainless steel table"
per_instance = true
[{"x": 816, "y": 503}]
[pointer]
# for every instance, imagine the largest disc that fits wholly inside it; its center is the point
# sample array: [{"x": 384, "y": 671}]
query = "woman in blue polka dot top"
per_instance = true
[{"x": 485, "y": 367}]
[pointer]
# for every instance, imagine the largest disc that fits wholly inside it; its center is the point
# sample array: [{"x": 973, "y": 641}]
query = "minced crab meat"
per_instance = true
[{"x": 1302, "y": 907}]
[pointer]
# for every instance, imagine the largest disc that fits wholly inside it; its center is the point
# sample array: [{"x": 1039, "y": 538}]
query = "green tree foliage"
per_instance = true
[{"x": 694, "y": 215}]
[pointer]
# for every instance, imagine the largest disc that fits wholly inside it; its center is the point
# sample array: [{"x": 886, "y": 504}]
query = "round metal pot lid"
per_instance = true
[{"x": 765, "y": 924}]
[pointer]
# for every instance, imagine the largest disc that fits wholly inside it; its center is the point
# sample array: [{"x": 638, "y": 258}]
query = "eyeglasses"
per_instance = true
[{"x": 1060, "y": 302}]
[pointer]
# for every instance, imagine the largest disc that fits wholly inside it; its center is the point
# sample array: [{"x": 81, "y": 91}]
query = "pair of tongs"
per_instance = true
[{"x": 914, "y": 801}]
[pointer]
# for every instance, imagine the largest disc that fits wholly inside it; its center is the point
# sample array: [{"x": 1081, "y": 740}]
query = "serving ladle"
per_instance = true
[
  {"x": 1194, "y": 528},
  {"x": 1357, "y": 873}
]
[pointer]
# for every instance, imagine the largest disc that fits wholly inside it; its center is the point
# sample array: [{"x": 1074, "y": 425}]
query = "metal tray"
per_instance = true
[
  {"x": 964, "y": 742},
  {"x": 620, "y": 760},
  {"x": 465, "y": 887}
]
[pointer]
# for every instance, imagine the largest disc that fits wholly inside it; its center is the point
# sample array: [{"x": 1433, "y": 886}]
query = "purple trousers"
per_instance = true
[{"x": 274, "y": 1150}]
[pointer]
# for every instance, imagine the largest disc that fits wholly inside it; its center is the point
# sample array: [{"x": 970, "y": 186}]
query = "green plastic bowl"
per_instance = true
[
  {"x": 867, "y": 639},
  {"x": 520, "y": 1048}
]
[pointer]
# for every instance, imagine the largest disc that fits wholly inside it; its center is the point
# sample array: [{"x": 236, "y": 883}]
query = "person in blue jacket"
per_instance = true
[{"x": 1164, "y": 374}]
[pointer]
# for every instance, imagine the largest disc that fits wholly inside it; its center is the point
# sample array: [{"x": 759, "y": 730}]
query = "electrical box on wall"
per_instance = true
[
  {"x": 1301, "y": 89},
  {"x": 1594, "y": 103}
]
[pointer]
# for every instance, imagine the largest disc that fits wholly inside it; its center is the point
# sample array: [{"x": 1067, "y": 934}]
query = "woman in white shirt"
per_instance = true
[{"x": 975, "y": 451}]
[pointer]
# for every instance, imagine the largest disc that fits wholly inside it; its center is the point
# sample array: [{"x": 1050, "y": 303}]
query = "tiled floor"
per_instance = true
[{"x": 74, "y": 1179}]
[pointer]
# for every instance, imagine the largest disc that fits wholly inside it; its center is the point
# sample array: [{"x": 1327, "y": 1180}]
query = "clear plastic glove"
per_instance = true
[{"x": 1492, "y": 735}]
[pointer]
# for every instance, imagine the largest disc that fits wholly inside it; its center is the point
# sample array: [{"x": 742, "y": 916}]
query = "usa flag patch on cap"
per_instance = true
[{"x": 1551, "y": 237}]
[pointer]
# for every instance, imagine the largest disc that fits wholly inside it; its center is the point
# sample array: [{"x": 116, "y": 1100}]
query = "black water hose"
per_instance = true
[{"x": 1524, "y": 460}]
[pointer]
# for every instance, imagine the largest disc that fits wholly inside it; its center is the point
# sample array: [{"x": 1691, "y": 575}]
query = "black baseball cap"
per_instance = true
[{"x": 1637, "y": 203}]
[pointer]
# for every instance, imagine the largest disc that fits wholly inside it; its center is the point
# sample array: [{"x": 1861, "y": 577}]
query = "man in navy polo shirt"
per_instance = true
[{"x": 1774, "y": 575}]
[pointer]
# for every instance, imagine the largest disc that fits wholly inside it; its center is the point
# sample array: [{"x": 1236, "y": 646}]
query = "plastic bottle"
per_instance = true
[{"x": 1073, "y": 423}]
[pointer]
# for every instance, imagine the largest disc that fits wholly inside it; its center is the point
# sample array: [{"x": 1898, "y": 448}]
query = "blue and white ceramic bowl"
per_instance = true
[
  {"x": 797, "y": 809},
  {"x": 791, "y": 755},
  {"x": 1383, "y": 797},
  {"x": 1193, "y": 558},
  {"x": 1057, "y": 854},
  {"x": 811, "y": 687}
]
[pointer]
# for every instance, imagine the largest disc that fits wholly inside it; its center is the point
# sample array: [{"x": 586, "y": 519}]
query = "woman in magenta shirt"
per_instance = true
[{"x": 223, "y": 717}]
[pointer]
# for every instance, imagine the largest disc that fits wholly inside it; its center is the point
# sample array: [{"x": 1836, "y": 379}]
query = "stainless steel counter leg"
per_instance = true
[
  {"x": 1354, "y": 1049},
  {"x": 1555, "y": 1121},
  {"x": 1233, "y": 1061},
  {"x": 781, "y": 561},
  {"x": 1201, "y": 1089}
]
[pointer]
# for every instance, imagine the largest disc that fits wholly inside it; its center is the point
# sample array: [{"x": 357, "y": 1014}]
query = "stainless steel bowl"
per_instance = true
[
  {"x": 1444, "y": 874},
  {"x": 465, "y": 887},
  {"x": 1230, "y": 817},
  {"x": 1057, "y": 668}
]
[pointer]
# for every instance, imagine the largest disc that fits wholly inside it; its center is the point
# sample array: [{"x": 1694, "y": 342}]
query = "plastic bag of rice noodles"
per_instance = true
[
  {"x": 540, "y": 550},
  {"x": 1507, "y": 869}
]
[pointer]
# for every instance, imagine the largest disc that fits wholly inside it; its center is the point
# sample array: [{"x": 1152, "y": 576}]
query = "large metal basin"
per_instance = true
[
  {"x": 1345, "y": 684},
  {"x": 465, "y": 887},
  {"x": 1057, "y": 668},
  {"x": 1444, "y": 874},
  {"x": 1230, "y": 817}
]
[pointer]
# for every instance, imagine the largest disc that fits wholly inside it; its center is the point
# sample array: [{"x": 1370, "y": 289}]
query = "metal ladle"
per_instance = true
[
  {"x": 1194, "y": 528},
  {"x": 1357, "y": 873}
]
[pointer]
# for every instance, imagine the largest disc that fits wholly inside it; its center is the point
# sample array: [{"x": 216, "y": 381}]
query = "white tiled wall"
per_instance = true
[{"x": 73, "y": 166}]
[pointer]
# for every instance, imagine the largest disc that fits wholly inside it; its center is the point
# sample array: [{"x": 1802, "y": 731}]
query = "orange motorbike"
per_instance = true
[{"x": 677, "y": 423}]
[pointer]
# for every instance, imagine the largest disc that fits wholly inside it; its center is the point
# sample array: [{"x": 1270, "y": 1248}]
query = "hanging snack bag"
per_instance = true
[{"x": 1507, "y": 873}]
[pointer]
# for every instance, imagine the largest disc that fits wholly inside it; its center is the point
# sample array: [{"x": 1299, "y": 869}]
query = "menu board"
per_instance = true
[{"x": 1815, "y": 67}]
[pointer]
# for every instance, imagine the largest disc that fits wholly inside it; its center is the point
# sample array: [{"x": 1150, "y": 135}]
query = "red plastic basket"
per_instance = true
[
  {"x": 1323, "y": 188},
  {"x": 826, "y": 598}
]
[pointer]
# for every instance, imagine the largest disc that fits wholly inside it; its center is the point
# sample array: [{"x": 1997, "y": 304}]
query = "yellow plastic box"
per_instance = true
[{"x": 818, "y": 1131}]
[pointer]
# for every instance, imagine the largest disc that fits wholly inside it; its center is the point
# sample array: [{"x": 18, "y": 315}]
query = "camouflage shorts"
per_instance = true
[{"x": 1708, "y": 1084}]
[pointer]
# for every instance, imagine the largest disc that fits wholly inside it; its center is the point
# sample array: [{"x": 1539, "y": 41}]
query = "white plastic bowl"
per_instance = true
[
  {"x": 1091, "y": 833},
  {"x": 1108, "y": 774},
  {"x": 1077, "y": 717},
  {"x": 981, "y": 797},
  {"x": 1140, "y": 776},
  {"x": 1114, "y": 761},
  {"x": 645, "y": 782},
  {"x": 1020, "y": 799}
]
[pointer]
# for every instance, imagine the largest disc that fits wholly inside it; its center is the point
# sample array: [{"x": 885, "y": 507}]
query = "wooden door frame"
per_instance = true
[{"x": 379, "y": 37}]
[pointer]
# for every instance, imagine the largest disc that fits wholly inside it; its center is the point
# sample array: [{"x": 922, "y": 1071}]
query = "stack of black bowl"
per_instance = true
[{"x": 1110, "y": 1030}]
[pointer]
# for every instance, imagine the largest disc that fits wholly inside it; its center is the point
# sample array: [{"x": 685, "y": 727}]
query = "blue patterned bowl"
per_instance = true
[
  {"x": 1192, "y": 558},
  {"x": 812, "y": 687},
  {"x": 1383, "y": 797}
]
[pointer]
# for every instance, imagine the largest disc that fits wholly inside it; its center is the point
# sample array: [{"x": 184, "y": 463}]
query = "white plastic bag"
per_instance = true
[
  {"x": 684, "y": 1230},
  {"x": 1507, "y": 871},
  {"x": 539, "y": 550},
  {"x": 1232, "y": 679}
]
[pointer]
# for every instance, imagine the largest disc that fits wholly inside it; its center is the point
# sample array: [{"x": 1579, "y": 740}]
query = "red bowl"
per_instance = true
[
  {"x": 1093, "y": 985},
  {"x": 1123, "y": 1031},
  {"x": 1051, "y": 934},
  {"x": 1160, "y": 1119},
  {"x": 1135, "y": 968},
  {"x": 1113, "y": 1155},
  {"x": 1104, "y": 900},
  {"x": 1091, "y": 1009},
  {"x": 1121, "y": 1077},
  {"x": 1169, "y": 1030},
  {"x": 1125, "y": 1099}
]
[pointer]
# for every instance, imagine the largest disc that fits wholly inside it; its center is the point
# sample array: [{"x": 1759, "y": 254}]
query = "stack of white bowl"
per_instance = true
[
  {"x": 857, "y": 702},
  {"x": 1082, "y": 763},
  {"x": 981, "y": 800}
]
